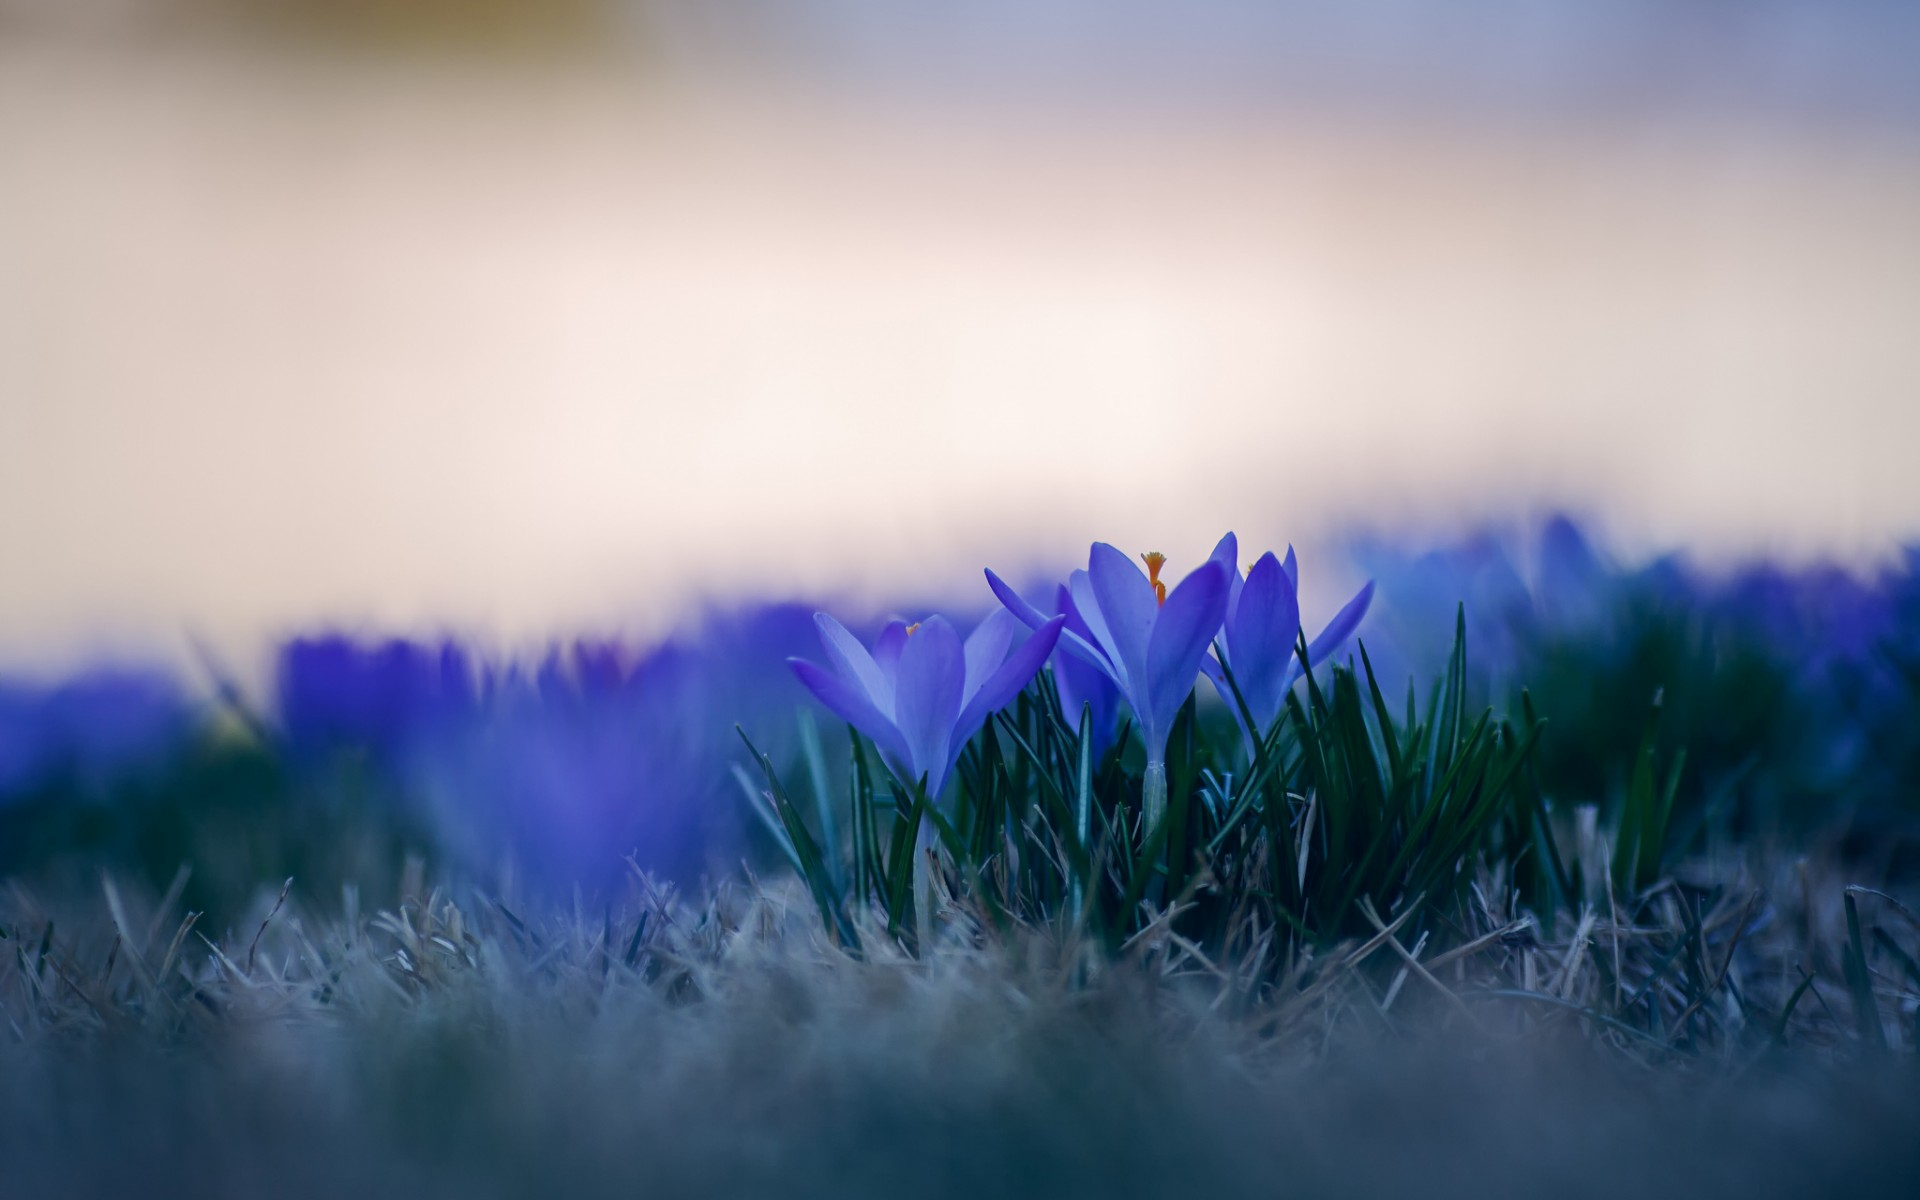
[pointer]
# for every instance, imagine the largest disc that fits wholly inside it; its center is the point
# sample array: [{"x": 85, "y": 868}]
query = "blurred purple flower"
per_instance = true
[
  {"x": 569, "y": 768},
  {"x": 922, "y": 694},
  {"x": 1575, "y": 583},
  {"x": 564, "y": 766},
  {"x": 334, "y": 692},
  {"x": 1420, "y": 593},
  {"x": 88, "y": 729}
]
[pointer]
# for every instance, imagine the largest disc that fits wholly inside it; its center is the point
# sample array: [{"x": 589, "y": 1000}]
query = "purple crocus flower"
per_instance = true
[
  {"x": 922, "y": 693},
  {"x": 1261, "y": 629},
  {"x": 1149, "y": 641},
  {"x": 1080, "y": 683}
]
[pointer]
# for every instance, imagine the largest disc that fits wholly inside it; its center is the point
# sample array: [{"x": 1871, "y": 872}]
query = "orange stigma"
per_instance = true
[
  {"x": 1155, "y": 560},
  {"x": 913, "y": 627}
]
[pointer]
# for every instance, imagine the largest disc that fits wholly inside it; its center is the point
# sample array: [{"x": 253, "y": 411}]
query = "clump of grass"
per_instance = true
[
  {"x": 1342, "y": 806},
  {"x": 1357, "y": 849}
]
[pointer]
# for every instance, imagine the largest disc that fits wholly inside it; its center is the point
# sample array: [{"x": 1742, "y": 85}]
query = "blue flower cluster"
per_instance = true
[
  {"x": 86, "y": 732},
  {"x": 559, "y": 769},
  {"x": 1796, "y": 693},
  {"x": 1117, "y": 634}
]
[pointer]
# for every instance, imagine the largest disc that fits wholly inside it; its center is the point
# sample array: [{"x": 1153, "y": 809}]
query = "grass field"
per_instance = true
[
  {"x": 724, "y": 1047},
  {"x": 426, "y": 924}
]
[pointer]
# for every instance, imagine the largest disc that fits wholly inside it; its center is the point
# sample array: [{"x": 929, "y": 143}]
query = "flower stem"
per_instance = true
[
  {"x": 1153, "y": 796},
  {"x": 923, "y": 889}
]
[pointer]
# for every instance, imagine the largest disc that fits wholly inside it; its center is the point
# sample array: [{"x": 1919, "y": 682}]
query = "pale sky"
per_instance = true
[{"x": 528, "y": 353}]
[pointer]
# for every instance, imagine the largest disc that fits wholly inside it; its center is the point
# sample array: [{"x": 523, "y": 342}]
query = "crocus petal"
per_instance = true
[
  {"x": 1077, "y": 639},
  {"x": 845, "y": 701},
  {"x": 986, "y": 648},
  {"x": 1080, "y": 684},
  {"x": 1226, "y": 552},
  {"x": 853, "y": 662},
  {"x": 1187, "y": 624},
  {"x": 887, "y": 647},
  {"x": 927, "y": 702},
  {"x": 1080, "y": 586},
  {"x": 1063, "y": 600},
  {"x": 1260, "y": 637},
  {"x": 1005, "y": 683},
  {"x": 1292, "y": 567},
  {"x": 1127, "y": 605},
  {"x": 1342, "y": 626},
  {"x": 1016, "y": 604},
  {"x": 1078, "y": 681},
  {"x": 1210, "y": 667},
  {"x": 1087, "y": 652}
]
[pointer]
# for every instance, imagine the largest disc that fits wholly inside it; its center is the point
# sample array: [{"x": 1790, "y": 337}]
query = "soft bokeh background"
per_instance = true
[
  {"x": 523, "y": 317},
  {"x": 407, "y": 405}
]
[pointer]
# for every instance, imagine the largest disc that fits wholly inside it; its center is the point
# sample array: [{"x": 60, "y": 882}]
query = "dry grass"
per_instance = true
[{"x": 722, "y": 1045}]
